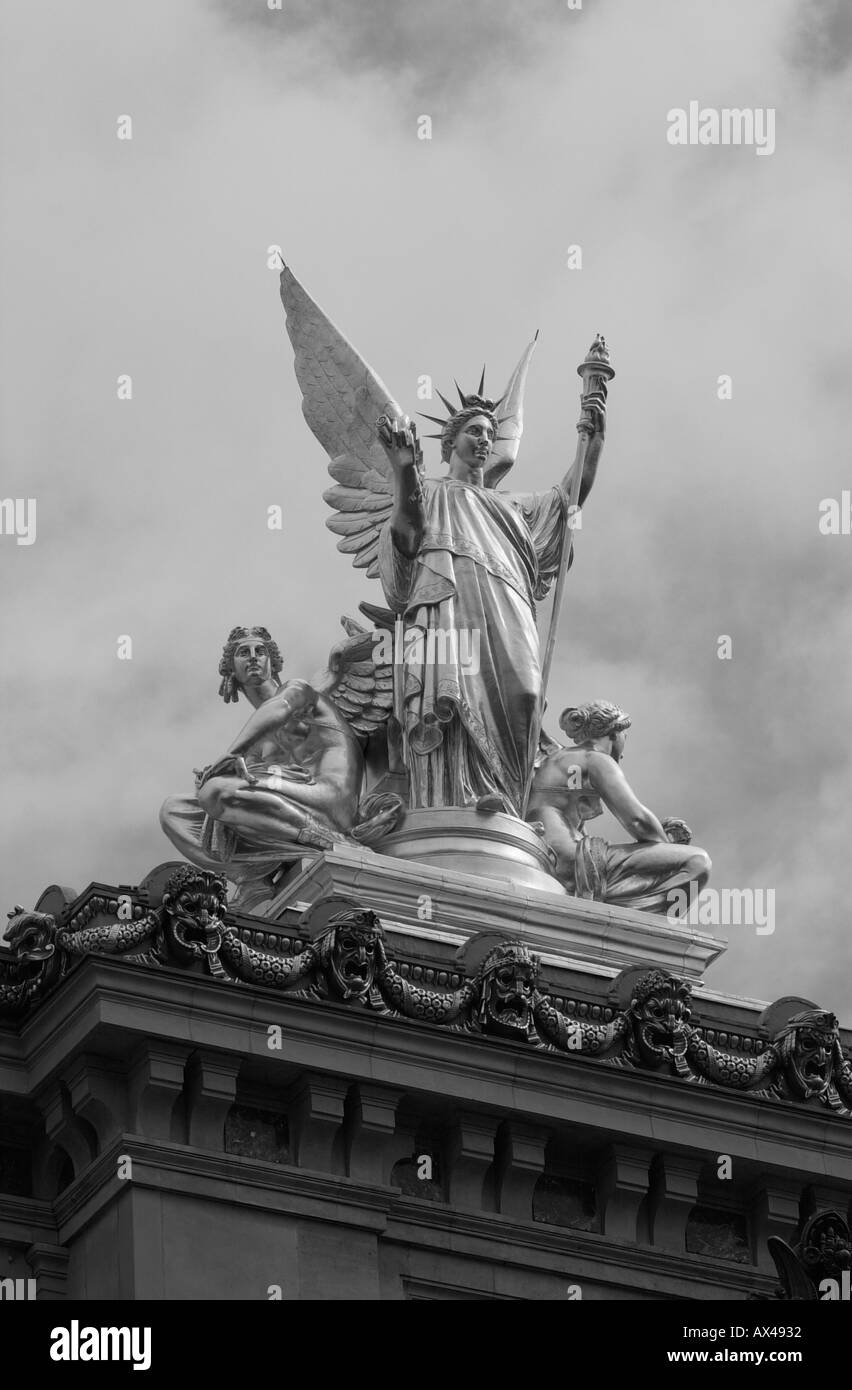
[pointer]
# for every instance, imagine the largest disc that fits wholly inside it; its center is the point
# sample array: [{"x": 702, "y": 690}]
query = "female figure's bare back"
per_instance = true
[{"x": 573, "y": 785}]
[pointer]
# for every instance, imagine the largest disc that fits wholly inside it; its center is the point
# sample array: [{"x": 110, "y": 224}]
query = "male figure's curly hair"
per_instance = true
[{"x": 228, "y": 687}]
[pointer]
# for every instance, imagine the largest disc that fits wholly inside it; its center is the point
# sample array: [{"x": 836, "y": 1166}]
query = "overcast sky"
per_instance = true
[{"x": 299, "y": 127}]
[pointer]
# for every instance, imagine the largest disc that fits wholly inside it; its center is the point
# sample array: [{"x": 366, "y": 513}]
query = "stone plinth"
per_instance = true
[{"x": 423, "y": 899}]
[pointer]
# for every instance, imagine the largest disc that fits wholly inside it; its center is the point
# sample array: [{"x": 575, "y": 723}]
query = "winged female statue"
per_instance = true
[
  {"x": 291, "y": 781},
  {"x": 457, "y": 558}
]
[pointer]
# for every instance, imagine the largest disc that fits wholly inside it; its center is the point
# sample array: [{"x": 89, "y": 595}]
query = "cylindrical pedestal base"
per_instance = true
[{"x": 462, "y": 839}]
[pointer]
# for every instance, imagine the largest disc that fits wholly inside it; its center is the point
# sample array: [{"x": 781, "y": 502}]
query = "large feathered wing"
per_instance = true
[
  {"x": 341, "y": 400},
  {"x": 358, "y": 684}
]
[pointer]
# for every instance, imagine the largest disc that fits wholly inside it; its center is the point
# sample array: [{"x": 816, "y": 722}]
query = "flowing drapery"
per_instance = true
[{"x": 472, "y": 687}]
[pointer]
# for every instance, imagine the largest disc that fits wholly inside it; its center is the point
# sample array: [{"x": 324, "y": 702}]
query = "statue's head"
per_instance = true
[
  {"x": 249, "y": 657},
  {"x": 809, "y": 1048},
  {"x": 508, "y": 977},
  {"x": 194, "y": 903},
  {"x": 597, "y": 720},
  {"x": 469, "y": 437},
  {"x": 469, "y": 432},
  {"x": 660, "y": 1010},
  {"x": 348, "y": 950}
]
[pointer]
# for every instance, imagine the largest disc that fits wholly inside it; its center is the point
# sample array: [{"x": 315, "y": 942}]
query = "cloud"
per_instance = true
[
  {"x": 821, "y": 39},
  {"x": 421, "y": 50},
  {"x": 151, "y": 258}
]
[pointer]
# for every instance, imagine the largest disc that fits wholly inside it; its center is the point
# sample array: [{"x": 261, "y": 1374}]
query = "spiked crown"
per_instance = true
[{"x": 474, "y": 403}]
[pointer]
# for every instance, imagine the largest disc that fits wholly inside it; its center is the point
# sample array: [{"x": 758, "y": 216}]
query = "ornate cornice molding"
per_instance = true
[{"x": 342, "y": 957}]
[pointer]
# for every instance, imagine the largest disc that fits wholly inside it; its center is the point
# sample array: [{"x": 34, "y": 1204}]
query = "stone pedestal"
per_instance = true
[
  {"x": 428, "y": 900},
  {"x": 496, "y": 847}
]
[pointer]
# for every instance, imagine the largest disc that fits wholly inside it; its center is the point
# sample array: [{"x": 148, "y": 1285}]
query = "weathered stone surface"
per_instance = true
[{"x": 568, "y": 929}]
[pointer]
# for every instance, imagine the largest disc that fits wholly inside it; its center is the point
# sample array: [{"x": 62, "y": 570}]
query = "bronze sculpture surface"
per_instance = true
[
  {"x": 573, "y": 785},
  {"x": 455, "y": 556},
  {"x": 291, "y": 780},
  {"x": 431, "y": 724}
]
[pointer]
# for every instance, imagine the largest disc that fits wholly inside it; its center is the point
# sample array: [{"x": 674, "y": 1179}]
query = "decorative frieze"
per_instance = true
[{"x": 342, "y": 957}]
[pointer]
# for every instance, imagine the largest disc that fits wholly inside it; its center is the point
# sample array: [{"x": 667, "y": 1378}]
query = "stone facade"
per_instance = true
[{"x": 503, "y": 1098}]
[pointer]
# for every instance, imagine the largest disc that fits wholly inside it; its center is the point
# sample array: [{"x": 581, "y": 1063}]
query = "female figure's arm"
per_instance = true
[
  {"x": 612, "y": 786},
  {"x": 409, "y": 514},
  {"x": 594, "y": 411}
]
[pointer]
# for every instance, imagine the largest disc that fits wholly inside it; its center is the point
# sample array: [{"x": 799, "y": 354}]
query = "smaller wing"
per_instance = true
[
  {"x": 511, "y": 410},
  {"x": 360, "y": 686}
]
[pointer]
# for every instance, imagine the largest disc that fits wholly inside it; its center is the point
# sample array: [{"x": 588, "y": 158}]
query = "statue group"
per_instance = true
[{"x": 440, "y": 703}]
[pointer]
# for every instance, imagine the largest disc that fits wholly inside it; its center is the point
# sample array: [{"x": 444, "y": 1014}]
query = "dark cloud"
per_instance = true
[
  {"x": 820, "y": 41},
  {"x": 424, "y": 49}
]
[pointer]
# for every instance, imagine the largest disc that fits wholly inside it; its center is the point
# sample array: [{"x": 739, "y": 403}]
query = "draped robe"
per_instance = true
[{"x": 472, "y": 689}]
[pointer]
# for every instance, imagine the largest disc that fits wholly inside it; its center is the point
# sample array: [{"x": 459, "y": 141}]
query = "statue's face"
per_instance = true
[
  {"x": 509, "y": 991},
  {"x": 812, "y": 1055},
  {"x": 474, "y": 442},
  {"x": 193, "y": 916},
  {"x": 252, "y": 665},
  {"x": 353, "y": 958},
  {"x": 618, "y": 742},
  {"x": 661, "y": 1012}
]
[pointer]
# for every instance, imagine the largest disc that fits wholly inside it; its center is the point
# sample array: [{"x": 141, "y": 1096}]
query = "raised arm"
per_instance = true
[
  {"x": 593, "y": 424},
  {"x": 399, "y": 441},
  {"x": 613, "y": 788}
]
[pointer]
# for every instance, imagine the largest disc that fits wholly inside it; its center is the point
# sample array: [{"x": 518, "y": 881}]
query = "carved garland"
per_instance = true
[{"x": 803, "y": 1062}]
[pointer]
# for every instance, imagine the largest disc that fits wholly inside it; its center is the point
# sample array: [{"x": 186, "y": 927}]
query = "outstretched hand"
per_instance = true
[{"x": 399, "y": 440}]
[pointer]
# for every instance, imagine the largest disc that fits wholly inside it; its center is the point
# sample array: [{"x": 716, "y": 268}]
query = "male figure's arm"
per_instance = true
[
  {"x": 293, "y": 701},
  {"x": 613, "y": 788}
]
